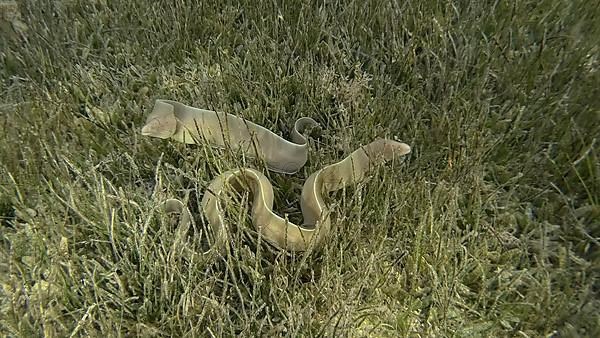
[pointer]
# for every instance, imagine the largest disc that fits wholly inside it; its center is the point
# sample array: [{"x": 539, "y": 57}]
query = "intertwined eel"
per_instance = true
[{"x": 173, "y": 120}]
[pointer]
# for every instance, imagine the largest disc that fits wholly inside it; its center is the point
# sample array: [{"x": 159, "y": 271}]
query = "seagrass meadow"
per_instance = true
[{"x": 490, "y": 227}]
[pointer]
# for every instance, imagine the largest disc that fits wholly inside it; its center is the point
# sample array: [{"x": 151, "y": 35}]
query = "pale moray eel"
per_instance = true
[{"x": 170, "y": 119}]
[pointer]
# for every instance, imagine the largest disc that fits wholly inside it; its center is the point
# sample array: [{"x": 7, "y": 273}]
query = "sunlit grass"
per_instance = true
[{"x": 489, "y": 228}]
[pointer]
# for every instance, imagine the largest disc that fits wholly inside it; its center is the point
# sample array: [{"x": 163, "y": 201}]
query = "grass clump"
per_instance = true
[{"x": 490, "y": 228}]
